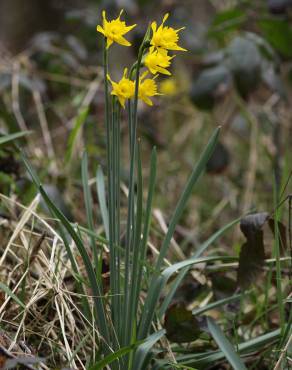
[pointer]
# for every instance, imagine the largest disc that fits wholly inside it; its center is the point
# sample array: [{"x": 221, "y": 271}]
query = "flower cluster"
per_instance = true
[{"x": 163, "y": 39}]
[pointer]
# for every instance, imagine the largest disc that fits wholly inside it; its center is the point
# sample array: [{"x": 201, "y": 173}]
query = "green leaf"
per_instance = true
[
  {"x": 100, "y": 186},
  {"x": 182, "y": 367},
  {"x": 205, "y": 359},
  {"x": 11, "y": 137},
  {"x": 225, "y": 346},
  {"x": 141, "y": 354},
  {"x": 100, "y": 365},
  {"x": 228, "y": 20},
  {"x": 88, "y": 205},
  {"x": 279, "y": 34},
  {"x": 194, "y": 177},
  {"x": 79, "y": 120},
  {"x": 221, "y": 302},
  {"x": 12, "y": 295},
  {"x": 172, "y": 292},
  {"x": 134, "y": 286},
  {"x": 147, "y": 217},
  {"x": 154, "y": 289}
]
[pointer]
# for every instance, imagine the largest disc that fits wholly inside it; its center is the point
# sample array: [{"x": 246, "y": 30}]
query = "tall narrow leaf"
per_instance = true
[
  {"x": 225, "y": 346},
  {"x": 79, "y": 120},
  {"x": 100, "y": 186},
  {"x": 197, "y": 171},
  {"x": 88, "y": 205},
  {"x": 11, "y": 137}
]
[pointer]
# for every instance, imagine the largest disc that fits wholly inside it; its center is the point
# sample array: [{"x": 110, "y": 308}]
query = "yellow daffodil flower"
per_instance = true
[
  {"x": 124, "y": 89},
  {"x": 147, "y": 88},
  {"x": 164, "y": 37},
  {"x": 168, "y": 87},
  {"x": 157, "y": 61},
  {"x": 114, "y": 30}
]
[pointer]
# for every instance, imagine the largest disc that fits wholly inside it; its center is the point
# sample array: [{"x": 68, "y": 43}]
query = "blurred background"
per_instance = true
[{"x": 237, "y": 73}]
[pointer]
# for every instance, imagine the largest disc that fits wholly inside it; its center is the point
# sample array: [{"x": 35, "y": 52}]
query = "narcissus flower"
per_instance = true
[
  {"x": 124, "y": 89},
  {"x": 157, "y": 61},
  {"x": 114, "y": 30},
  {"x": 147, "y": 89},
  {"x": 164, "y": 37}
]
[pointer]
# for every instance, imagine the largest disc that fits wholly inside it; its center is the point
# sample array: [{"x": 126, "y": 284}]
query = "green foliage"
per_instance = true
[
  {"x": 12, "y": 137},
  {"x": 278, "y": 33},
  {"x": 225, "y": 346},
  {"x": 137, "y": 319}
]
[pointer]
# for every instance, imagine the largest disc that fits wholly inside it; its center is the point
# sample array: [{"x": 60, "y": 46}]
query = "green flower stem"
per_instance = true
[
  {"x": 131, "y": 204},
  {"x": 112, "y": 217},
  {"x": 109, "y": 123},
  {"x": 116, "y": 213}
]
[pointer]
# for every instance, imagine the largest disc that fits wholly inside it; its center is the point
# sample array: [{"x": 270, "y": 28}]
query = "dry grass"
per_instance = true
[{"x": 34, "y": 264}]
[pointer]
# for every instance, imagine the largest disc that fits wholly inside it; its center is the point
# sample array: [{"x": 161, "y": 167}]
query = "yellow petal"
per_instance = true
[
  {"x": 129, "y": 28},
  {"x": 152, "y": 70},
  {"x": 165, "y": 18},
  {"x": 109, "y": 78},
  {"x": 147, "y": 100},
  {"x": 115, "y": 85},
  {"x": 100, "y": 29},
  {"x": 153, "y": 27},
  {"x": 122, "y": 101},
  {"x": 122, "y": 41},
  {"x": 121, "y": 12},
  {"x": 105, "y": 22},
  {"x": 178, "y": 48},
  {"x": 143, "y": 75},
  {"x": 163, "y": 71}
]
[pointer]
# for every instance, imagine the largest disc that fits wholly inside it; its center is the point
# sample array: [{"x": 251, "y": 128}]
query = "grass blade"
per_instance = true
[
  {"x": 7, "y": 138},
  {"x": 143, "y": 350},
  {"x": 100, "y": 186},
  {"x": 196, "y": 173},
  {"x": 100, "y": 365},
  {"x": 88, "y": 205},
  {"x": 171, "y": 292},
  {"x": 225, "y": 346},
  {"x": 132, "y": 305},
  {"x": 79, "y": 120},
  {"x": 147, "y": 217},
  {"x": 207, "y": 359},
  {"x": 221, "y": 302},
  {"x": 13, "y": 296}
]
